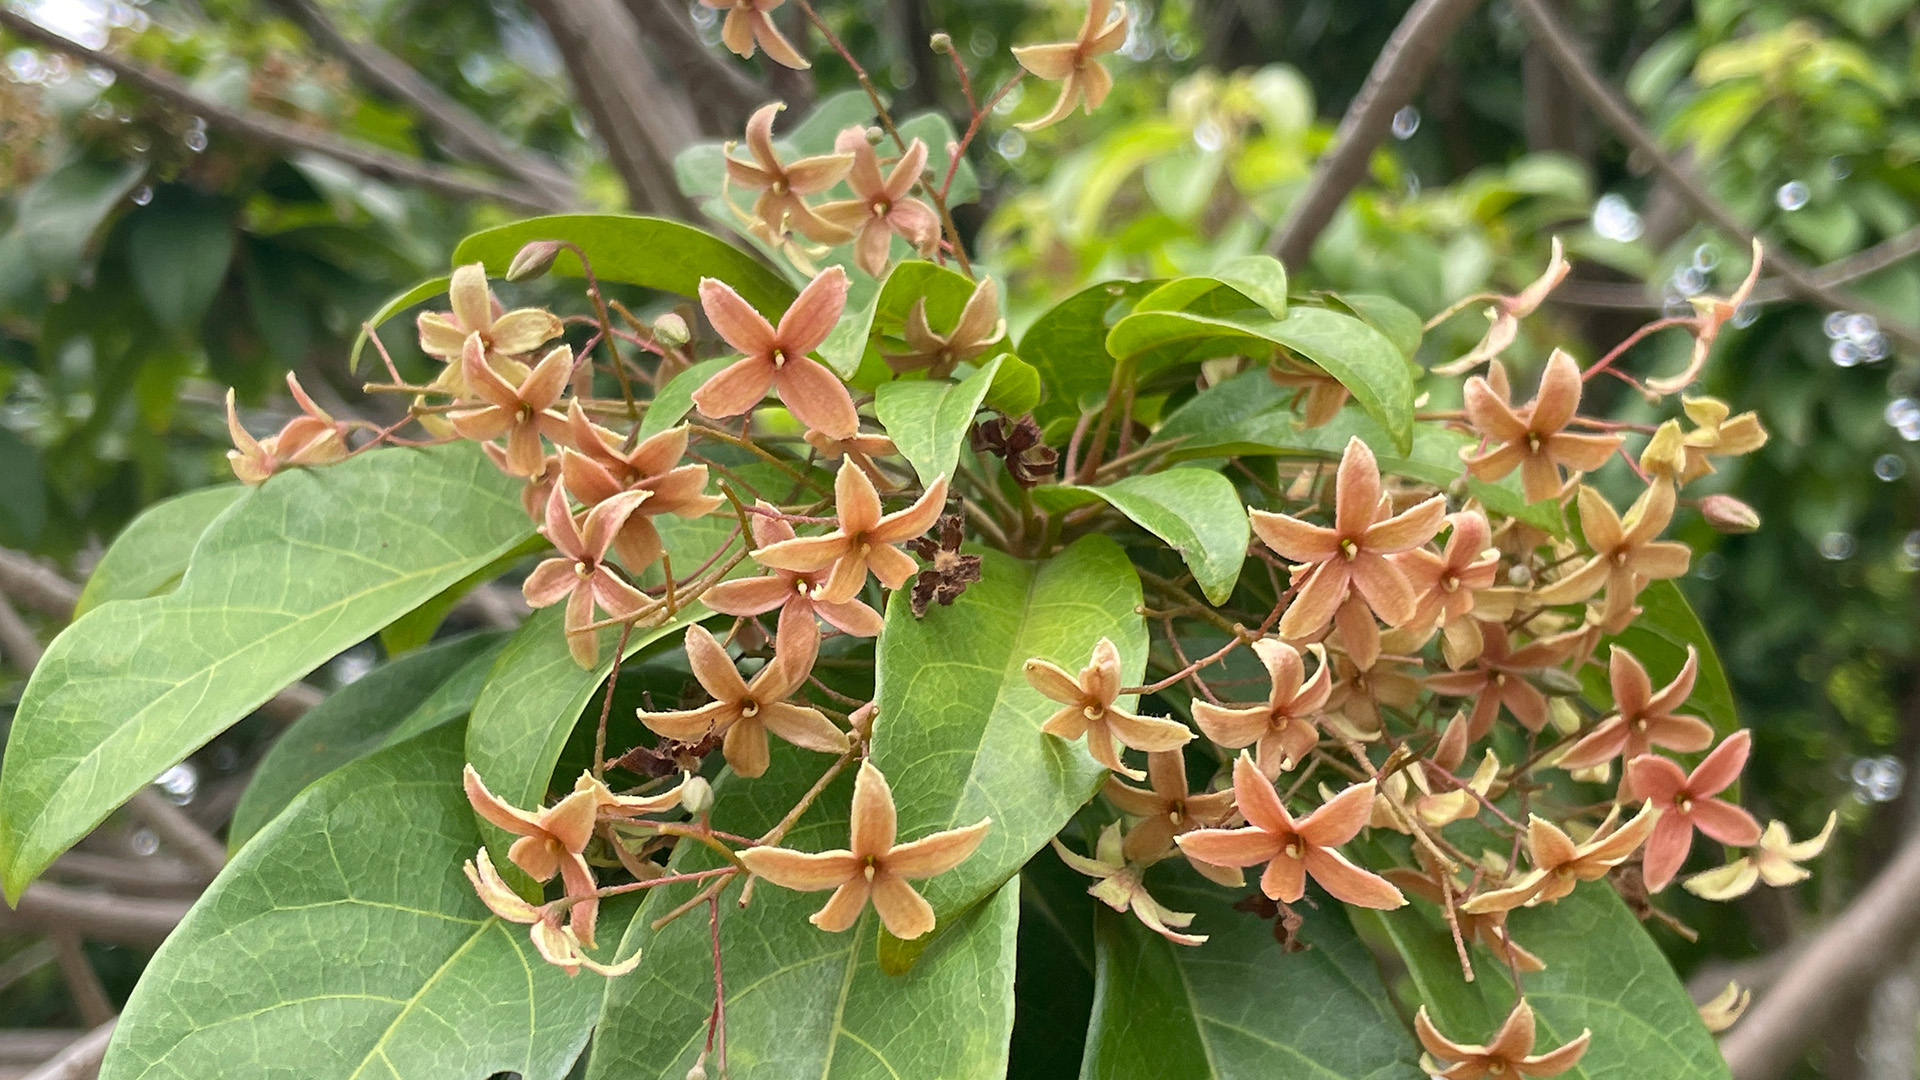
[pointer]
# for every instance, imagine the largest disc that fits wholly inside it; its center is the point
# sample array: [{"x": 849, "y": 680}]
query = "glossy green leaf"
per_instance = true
[
  {"x": 650, "y": 252},
  {"x": 395, "y": 304},
  {"x": 957, "y": 715},
  {"x": 1626, "y": 992},
  {"x": 1067, "y": 345},
  {"x": 928, "y": 419},
  {"x": 310, "y": 563},
  {"x": 417, "y": 627},
  {"x": 945, "y": 292},
  {"x": 674, "y": 401},
  {"x": 1240, "y": 1006},
  {"x": 151, "y": 553},
  {"x": 1360, "y": 357},
  {"x": 1196, "y": 511},
  {"x": 402, "y": 697},
  {"x": 1256, "y": 280},
  {"x": 1016, "y": 387},
  {"x": 344, "y": 942},
  {"x": 1389, "y": 316},
  {"x": 178, "y": 251},
  {"x": 1659, "y": 640},
  {"x": 802, "y": 1002}
]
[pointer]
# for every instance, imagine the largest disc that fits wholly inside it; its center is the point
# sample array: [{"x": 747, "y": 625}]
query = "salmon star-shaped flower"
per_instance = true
[
  {"x": 1687, "y": 802},
  {"x": 1089, "y": 710},
  {"x": 1533, "y": 439},
  {"x": 866, "y": 539},
  {"x": 776, "y": 360},
  {"x": 1509, "y": 1053},
  {"x": 1284, "y": 727},
  {"x": 743, "y": 711},
  {"x": 581, "y": 574},
  {"x": 1075, "y": 64}
]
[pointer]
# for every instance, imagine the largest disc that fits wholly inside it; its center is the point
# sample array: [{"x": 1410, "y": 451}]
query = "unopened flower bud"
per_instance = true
[
  {"x": 533, "y": 260},
  {"x": 1728, "y": 514},
  {"x": 1558, "y": 681},
  {"x": 862, "y": 720},
  {"x": 696, "y": 795},
  {"x": 940, "y": 43},
  {"x": 671, "y": 330},
  {"x": 698, "y": 1072}
]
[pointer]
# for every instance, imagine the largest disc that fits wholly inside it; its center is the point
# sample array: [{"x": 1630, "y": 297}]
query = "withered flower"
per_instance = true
[
  {"x": 522, "y": 413},
  {"x": 1642, "y": 719},
  {"x": 1344, "y": 573},
  {"x": 1626, "y": 554},
  {"x": 1168, "y": 809},
  {"x": 881, "y": 207},
  {"x": 1292, "y": 849},
  {"x": 503, "y": 333},
  {"x": 1533, "y": 438},
  {"x": 1710, "y": 313},
  {"x": 950, "y": 571},
  {"x": 872, "y": 866},
  {"x": 783, "y": 185},
  {"x": 1559, "y": 864},
  {"x": 977, "y": 329},
  {"x": 796, "y": 594},
  {"x": 1075, "y": 64},
  {"x": 1775, "y": 861},
  {"x": 777, "y": 360},
  {"x": 1686, "y": 801},
  {"x": 1284, "y": 727},
  {"x": 749, "y": 22},
  {"x": 1089, "y": 710},
  {"x": 864, "y": 541},
  {"x": 312, "y": 438},
  {"x": 602, "y": 468},
  {"x": 742, "y": 712},
  {"x": 1506, "y": 313},
  {"x": 1021, "y": 444},
  {"x": 1509, "y": 1053},
  {"x": 1118, "y": 884},
  {"x": 581, "y": 574}
]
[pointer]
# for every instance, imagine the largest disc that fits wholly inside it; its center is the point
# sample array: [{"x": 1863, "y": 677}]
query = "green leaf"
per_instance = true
[
  {"x": 957, "y": 716},
  {"x": 945, "y": 291},
  {"x": 178, "y": 250},
  {"x": 1387, "y": 315},
  {"x": 1067, "y": 345},
  {"x": 1659, "y": 640},
  {"x": 1251, "y": 280},
  {"x": 417, "y": 627},
  {"x": 674, "y": 401},
  {"x": 649, "y": 252},
  {"x": 402, "y": 697},
  {"x": 1240, "y": 1005},
  {"x": 802, "y": 1002},
  {"x": 150, "y": 554},
  {"x": 1360, "y": 357},
  {"x": 23, "y": 491},
  {"x": 396, "y": 304},
  {"x": 344, "y": 942},
  {"x": 1196, "y": 511},
  {"x": 1016, "y": 387},
  {"x": 928, "y": 419},
  {"x": 1625, "y": 991},
  {"x": 311, "y": 562},
  {"x": 58, "y": 216}
]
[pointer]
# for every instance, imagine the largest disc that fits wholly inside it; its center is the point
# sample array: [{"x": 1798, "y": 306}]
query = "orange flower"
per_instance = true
[
  {"x": 1711, "y": 313},
  {"x": 777, "y": 360},
  {"x": 1776, "y": 861},
  {"x": 1168, "y": 808},
  {"x": 602, "y": 469},
  {"x": 864, "y": 541},
  {"x": 1506, "y": 313},
  {"x": 860, "y": 448},
  {"x": 557, "y": 945},
  {"x": 1686, "y": 802},
  {"x": 1510, "y": 1052},
  {"x": 1533, "y": 438},
  {"x": 977, "y": 329},
  {"x": 1074, "y": 64},
  {"x": 1344, "y": 574},
  {"x": 797, "y": 595},
  {"x": 503, "y": 333},
  {"x": 312, "y": 438},
  {"x": 580, "y": 573},
  {"x": 783, "y": 185},
  {"x": 1294, "y": 849},
  {"x": 1559, "y": 864},
  {"x": 1684, "y": 457},
  {"x": 748, "y": 23},
  {"x": 1642, "y": 719},
  {"x": 1090, "y": 710},
  {"x": 1625, "y": 554},
  {"x": 872, "y": 866},
  {"x": 1284, "y": 726},
  {"x": 742, "y": 711},
  {"x": 522, "y": 413},
  {"x": 880, "y": 207},
  {"x": 1500, "y": 676},
  {"x": 1488, "y": 928}
]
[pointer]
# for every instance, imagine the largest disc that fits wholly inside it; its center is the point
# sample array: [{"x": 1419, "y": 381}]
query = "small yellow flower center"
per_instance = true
[
  {"x": 1640, "y": 725},
  {"x": 1349, "y": 548},
  {"x": 1093, "y": 712},
  {"x": 1498, "y": 1068},
  {"x": 866, "y": 547},
  {"x": 868, "y": 867},
  {"x": 749, "y": 708},
  {"x": 526, "y": 411},
  {"x": 1294, "y": 850},
  {"x": 1533, "y": 441},
  {"x": 1563, "y": 872},
  {"x": 880, "y": 208},
  {"x": 1684, "y": 804},
  {"x": 581, "y": 569},
  {"x": 779, "y": 186},
  {"x": 1176, "y": 812},
  {"x": 1449, "y": 583},
  {"x": 1499, "y": 678},
  {"x": 779, "y": 358},
  {"x": 1620, "y": 557}
]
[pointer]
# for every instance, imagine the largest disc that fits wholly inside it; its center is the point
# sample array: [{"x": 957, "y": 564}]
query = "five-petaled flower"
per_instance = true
[
  {"x": 871, "y": 866},
  {"x": 1642, "y": 719},
  {"x": 1089, "y": 709},
  {"x": 1453, "y": 589},
  {"x": 312, "y": 438},
  {"x": 977, "y": 328},
  {"x": 1168, "y": 809},
  {"x": 1119, "y": 885},
  {"x": 557, "y": 945},
  {"x": 783, "y": 184},
  {"x": 522, "y": 413},
  {"x": 776, "y": 359},
  {"x": 881, "y": 207},
  {"x": 1775, "y": 861},
  {"x": 1488, "y": 928},
  {"x": 581, "y": 574},
  {"x": 1686, "y": 802},
  {"x": 796, "y": 594},
  {"x": 1075, "y": 64},
  {"x": 1626, "y": 554},
  {"x": 504, "y": 334},
  {"x": 743, "y": 711},
  {"x": 864, "y": 541},
  {"x": 1684, "y": 456},
  {"x": 749, "y": 22},
  {"x": 1510, "y": 1053},
  {"x": 1293, "y": 849},
  {"x": 603, "y": 467},
  {"x": 1533, "y": 438},
  {"x": 1559, "y": 864},
  {"x": 1284, "y": 727},
  {"x": 1344, "y": 573}
]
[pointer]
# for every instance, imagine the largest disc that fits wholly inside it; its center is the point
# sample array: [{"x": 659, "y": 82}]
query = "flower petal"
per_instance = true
[
  {"x": 937, "y": 853},
  {"x": 1350, "y": 884},
  {"x": 904, "y": 912},
  {"x": 1230, "y": 847},
  {"x": 736, "y": 321},
  {"x": 802, "y": 871}
]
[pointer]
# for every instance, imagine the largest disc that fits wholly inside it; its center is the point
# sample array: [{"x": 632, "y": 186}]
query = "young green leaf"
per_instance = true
[
  {"x": 133, "y": 687},
  {"x": 1196, "y": 511},
  {"x": 1250, "y": 281},
  {"x": 928, "y": 419},
  {"x": 151, "y": 553},
  {"x": 344, "y": 943}
]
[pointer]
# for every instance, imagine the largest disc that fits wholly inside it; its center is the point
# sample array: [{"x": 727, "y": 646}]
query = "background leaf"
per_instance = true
[
  {"x": 58, "y": 216},
  {"x": 1067, "y": 345},
  {"x": 179, "y": 249},
  {"x": 928, "y": 419},
  {"x": 426, "y": 290},
  {"x": 674, "y": 401},
  {"x": 344, "y": 942},
  {"x": 134, "y": 686},
  {"x": 1196, "y": 511},
  {"x": 1659, "y": 640}
]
